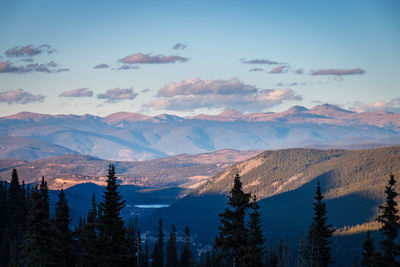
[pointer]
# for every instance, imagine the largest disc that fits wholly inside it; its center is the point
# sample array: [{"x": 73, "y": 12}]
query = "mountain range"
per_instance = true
[{"x": 133, "y": 136}]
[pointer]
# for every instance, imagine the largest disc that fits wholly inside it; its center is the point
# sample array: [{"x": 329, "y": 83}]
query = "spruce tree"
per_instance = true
[
  {"x": 172, "y": 256},
  {"x": 158, "y": 251},
  {"x": 88, "y": 237},
  {"x": 145, "y": 259},
  {"x": 187, "y": 255},
  {"x": 232, "y": 241},
  {"x": 3, "y": 224},
  {"x": 256, "y": 240},
  {"x": 390, "y": 225},
  {"x": 112, "y": 246},
  {"x": 132, "y": 240},
  {"x": 316, "y": 251},
  {"x": 38, "y": 240},
  {"x": 369, "y": 254},
  {"x": 63, "y": 234}
]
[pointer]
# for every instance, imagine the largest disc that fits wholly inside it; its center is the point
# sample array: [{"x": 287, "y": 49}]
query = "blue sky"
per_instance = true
[{"x": 245, "y": 55}]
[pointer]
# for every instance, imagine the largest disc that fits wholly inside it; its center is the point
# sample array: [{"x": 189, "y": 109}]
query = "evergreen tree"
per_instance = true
[
  {"x": 63, "y": 234},
  {"x": 369, "y": 254},
  {"x": 145, "y": 259},
  {"x": 256, "y": 239},
  {"x": 172, "y": 256},
  {"x": 4, "y": 253},
  {"x": 38, "y": 240},
  {"x": 316, "y": 251},
  {"x": 158, "y": 251},
  {"x": 232, "y": 241},
  {"x": 112, "y": 246},
  {"x": 16, "y": 215},
  {"x": 88, "y": 237},
  {"x": 390, "y": 225},
  {"x": 187, "y": 255}
]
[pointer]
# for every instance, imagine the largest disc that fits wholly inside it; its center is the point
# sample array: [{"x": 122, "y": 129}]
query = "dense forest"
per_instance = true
[{"x": 32, "y": 235}]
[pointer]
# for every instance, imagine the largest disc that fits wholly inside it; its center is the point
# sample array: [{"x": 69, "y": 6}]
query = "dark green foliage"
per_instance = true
[
  {"x": 63, "y": 235},
  {"x": 390, "y": 225},
  {"x": 88, "y": 237},
  {"x": 158, "y": 251},
  {"x": 187, "y": 255},
  {"x": 316, "y": 250},
  {"x": 172, "y": 255},
  {"x": 256, "y": 239},
  {"x": 370, "y": 257},
  {"x": 112, "y": 246},
  {"x": 232, "y": 241},
  {"x": 133, "y": 240},
  {"x": 145, "y": 259},
  {"x": 39, "y": 238}
]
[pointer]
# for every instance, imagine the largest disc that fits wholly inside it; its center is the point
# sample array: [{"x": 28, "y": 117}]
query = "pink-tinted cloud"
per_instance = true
[
  {"x": 195, "y": 93},
  {"x": 299, "y": 71},
  {"x": 101, "y": 66},
  {"x": 391, "y": 106},
  {"x": 19, "y": 96},
  {"x": 140, "y": 58},
  {"x": 338, "y": 72},
  {"x": 279, "y": 69},
  {"x": 117, "y": 94},
  {"x": 179, "y": 46},
  {"x": 29, "y": 50},
  {"x": 196, "y": 86},
  {"x": 80, "y": 92},
  {"x": 260, "y": 61}
]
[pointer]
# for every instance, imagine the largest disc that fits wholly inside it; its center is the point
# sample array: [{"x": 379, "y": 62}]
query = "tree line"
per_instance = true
[{"x": 30, "y": 236}]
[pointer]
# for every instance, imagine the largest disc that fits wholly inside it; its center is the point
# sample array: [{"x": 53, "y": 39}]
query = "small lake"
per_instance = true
[{"x": 151, "y": 206}]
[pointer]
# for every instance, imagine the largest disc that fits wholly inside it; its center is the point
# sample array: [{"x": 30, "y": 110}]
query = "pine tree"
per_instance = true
[
  {"x": 63, "y": 234},
  {"x": 316, "y": 251},
  {"x": 16, "y": 215},
  {"x": 369, "y": 254},
  {"x": 112, "y": 246},
  {"x": 232, "y": 241},
  {"x": 88, "y": 237},
  {"x": 158, "y": 251},
  {"x": 3, "y": 224},
  {"x": 145, "y": 259},
  {"x": 256, "y": 239},
  {"x": 172, "y": 256},
  {"x": 390, "y": 225},
  {"x": 187, "y": 255},
  {"x": 38, "y": 240},
  {"x": 132, "y": 240}
]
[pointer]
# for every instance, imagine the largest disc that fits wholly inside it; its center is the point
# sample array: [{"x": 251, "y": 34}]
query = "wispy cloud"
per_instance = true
[
  {"x": 256, "y": 69},
  {"x": 259, "y": 61},
  {"x": 179, "y": 46},
  {"x": 391, "y": 106},
  {"x": 51, "y": 67},
  {"x": 79, "y": 92},
  {"x": 117, "y": 94},
  {"x": 338, "y": 72},
  {"x": 279, "y": 69},
  {"x": 19, "y": 96},
  {"x": 299, "y": 71},
  {"x": 140, "y": 58},
  {"x": 128, "y": 67},
  {"x": 101, "y": 66},
  {"x": 29, "y": 50},
  {"x": 195, "y": 93}
]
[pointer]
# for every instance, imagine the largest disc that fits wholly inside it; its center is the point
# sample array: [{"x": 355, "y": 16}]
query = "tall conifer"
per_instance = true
[
  {"x": 187, "y": 255},
  {"x": 256, "y": 239},
  {"x": 63, "y": 234},
  {"x": 172, "y": 256},
  {"x": 369, "y": 254},
  {"x": 158, "y": 251},
  {"x": 112, "y": 245},
  {"x": 232, "y": 241},
  {"x": 390, "y": 225}
]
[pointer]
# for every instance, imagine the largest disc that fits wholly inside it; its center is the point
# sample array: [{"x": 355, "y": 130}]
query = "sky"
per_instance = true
[{"x": 191, "y": 57}]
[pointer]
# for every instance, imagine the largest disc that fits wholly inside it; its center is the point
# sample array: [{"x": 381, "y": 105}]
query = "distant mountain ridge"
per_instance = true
[{"x": 134, "y": 136}]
